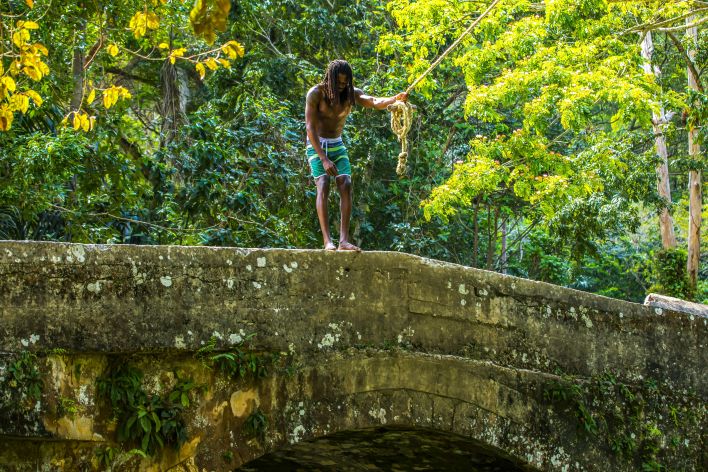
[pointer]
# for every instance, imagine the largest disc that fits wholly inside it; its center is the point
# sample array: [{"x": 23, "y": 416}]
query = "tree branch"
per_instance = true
[
  {"x": 656, "y": 26},
  {"x": 684, "y": 27},
  {"x": 128, "y": 75},
  {"x": 689, "y": 62},
  {"x": 92, "y": 53},
  {"x": 129, "y": 220}
]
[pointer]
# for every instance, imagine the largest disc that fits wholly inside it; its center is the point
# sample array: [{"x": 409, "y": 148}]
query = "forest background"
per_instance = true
[{"x": 533, "y": 150}]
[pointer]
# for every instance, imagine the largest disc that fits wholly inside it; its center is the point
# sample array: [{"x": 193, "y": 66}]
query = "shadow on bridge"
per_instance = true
[{"x": 388, "y": 448}]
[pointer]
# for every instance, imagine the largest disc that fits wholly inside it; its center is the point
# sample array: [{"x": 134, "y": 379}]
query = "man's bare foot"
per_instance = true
[
  {"x": 330, "y": 246},
  {"x": 347, "y": 246}
]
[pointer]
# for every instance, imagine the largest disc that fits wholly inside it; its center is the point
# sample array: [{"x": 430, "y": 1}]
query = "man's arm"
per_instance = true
[
  {"x": 312, "y": 103},
  {"x": 367, "y": 101}
]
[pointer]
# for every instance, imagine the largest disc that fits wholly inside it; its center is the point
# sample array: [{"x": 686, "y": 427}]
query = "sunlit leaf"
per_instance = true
[
  {"x": 212, "y": 64},
  {"x": 34, "y": 96},
  {"x": 200, "y": 69},
  {"x": 6, "y": 117}
]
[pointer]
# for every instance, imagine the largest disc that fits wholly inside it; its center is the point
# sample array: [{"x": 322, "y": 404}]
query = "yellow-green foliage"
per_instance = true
[
  {"x": 21, "y": 58},
  {"x": 152, "y": 31},
  {"x": 562, "y": 81}
]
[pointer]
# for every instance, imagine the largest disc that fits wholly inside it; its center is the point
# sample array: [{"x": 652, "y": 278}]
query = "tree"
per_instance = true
[
  {"x": 561, "y": 89},
  {"x": 97, "y": 34},
  {"x": 659, "y": 121},
  {"x": 21, "y": 61},
  {"x": 694, "y": 180},
  {"x": 567, "y": 99},
  {"x": 669, "y": 21}
]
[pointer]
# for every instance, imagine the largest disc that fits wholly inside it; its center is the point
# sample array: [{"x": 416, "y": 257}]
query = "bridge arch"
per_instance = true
[
  {"x": 496, "y": 409},
  {"x": 386, "y": 448}
]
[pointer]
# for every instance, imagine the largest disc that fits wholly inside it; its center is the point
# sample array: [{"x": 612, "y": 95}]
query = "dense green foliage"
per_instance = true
[
  {"x": 668, "y": 273},
  {"x": 147, "y": 421},
  {"x": 20, "y": 386},
  {"x": 532, "y": 149},
  {"x": 237, "y": 363}
]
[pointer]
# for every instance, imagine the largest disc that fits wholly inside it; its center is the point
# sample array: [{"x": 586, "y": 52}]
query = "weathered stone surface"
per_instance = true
[
  {"x": 366, "y": 339},
  {"x": 676, "y": 304}
]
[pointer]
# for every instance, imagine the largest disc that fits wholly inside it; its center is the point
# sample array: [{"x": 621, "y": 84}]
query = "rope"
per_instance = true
[
  {"x": 401, "y": 120},
  {"x": 402, "y": 112},
  {"x": 452, "y": 46}
]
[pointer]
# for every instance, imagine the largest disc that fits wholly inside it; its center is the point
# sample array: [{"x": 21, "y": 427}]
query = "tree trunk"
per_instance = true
[
  {"x": 77, "y": 73},
  {"x": 659, "y": 121},
  {"x": 77, "y": 95},
  {"x": 175, "y": 95},
  {"x": 694, "y": 178},
  {"x": 503, "y": 247},
  {"x": 492, "y": 239},
  {"x": 475, "y": 238},
  {"x": 694, "y": 221},
  {"x": 174, "y": 102}
]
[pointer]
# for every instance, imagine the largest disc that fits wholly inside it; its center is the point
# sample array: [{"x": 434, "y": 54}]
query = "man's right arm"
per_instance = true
[{"x": 312, "y": 103}]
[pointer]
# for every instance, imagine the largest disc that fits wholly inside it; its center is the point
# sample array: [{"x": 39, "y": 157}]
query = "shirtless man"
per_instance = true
[{"x": 326, "y": 109}]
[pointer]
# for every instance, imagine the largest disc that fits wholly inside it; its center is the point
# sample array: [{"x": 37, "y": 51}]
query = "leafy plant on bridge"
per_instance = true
[
  {"x": 630, "y": 420},
  {"x": 257, "y": 425},
  {"x": 106, "y": 455},
  {"x": 237, "y": 362},
  {"x": 149, "y": 421},
  {"x": 20, "y": 384},
  {"x": 67, "y": 407}
]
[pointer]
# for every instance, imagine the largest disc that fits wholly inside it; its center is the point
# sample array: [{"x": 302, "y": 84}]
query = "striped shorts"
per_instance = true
[{"x": 336, "y": 152}]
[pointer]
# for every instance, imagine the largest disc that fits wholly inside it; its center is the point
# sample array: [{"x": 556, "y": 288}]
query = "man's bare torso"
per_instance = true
[{"x": 330, "y": 118}]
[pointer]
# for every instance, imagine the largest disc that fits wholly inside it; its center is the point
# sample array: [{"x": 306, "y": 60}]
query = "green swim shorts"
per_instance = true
[{"x": 336, "y": 152}]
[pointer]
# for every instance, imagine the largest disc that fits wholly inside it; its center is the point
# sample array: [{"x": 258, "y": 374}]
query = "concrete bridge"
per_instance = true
[{"x": 300, "y": 358}]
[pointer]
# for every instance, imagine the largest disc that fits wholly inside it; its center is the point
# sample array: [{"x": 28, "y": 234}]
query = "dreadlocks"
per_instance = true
[{"x": 329, "y": 83}]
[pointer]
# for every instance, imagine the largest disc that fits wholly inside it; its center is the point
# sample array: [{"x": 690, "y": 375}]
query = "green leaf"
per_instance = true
[
  {"x": 129, "y": 424},
  {"x": 156, "y": 420},
  {"x": 145, "y": 424}
]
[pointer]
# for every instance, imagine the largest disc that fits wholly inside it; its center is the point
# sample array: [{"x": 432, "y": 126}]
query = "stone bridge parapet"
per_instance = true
[{"x": 363, "y": 339}]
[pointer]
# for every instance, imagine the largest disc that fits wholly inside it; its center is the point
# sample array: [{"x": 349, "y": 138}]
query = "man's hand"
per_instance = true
[
  {"x": 329, "y": 167},
  {"x": 402, "y": 97}
]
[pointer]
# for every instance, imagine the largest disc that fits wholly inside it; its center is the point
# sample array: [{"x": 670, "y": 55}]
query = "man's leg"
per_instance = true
[
  {"x": 322, "y": 183},
  {"x": 344, "y": 186}
]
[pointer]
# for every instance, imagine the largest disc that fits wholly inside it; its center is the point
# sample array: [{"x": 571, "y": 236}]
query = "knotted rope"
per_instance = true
[
  {"x": 402, "y": 112},
  {"x": 401, "y": 120}
]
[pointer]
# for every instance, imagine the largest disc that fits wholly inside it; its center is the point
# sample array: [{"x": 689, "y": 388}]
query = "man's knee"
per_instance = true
[
  {"x": 322, "y": 183},
  {"x": 344, "y": 183}
]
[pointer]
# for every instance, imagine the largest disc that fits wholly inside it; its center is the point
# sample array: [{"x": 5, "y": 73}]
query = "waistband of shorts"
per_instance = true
[{"x": 328, "y": 141}]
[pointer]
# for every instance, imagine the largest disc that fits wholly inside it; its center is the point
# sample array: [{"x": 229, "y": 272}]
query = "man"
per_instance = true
[{"x": 326, "y": 109}]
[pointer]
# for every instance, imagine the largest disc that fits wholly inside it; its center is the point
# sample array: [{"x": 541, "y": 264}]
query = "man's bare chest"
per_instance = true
[{"x": 337, "y": 112}]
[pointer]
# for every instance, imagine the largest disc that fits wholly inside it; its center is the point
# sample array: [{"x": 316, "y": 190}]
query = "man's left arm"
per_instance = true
[{"x": 379, "y": 103}]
